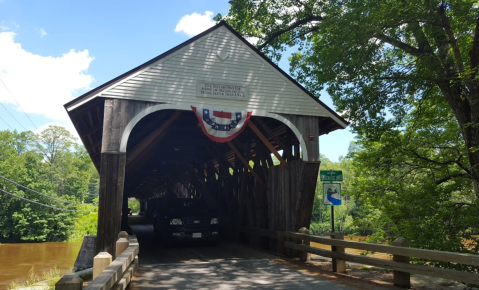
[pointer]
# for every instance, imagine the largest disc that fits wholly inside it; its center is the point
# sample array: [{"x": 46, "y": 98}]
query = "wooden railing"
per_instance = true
[
  {"x": 400, "y": 251},
  {"x": 108, "y": 274}
]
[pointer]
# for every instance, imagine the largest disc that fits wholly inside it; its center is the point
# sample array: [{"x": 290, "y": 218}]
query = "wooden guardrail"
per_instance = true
[
  {"x": 400, "y": 263},
  {"x": 107, "y": 274},
  {"x": 400, "y": 251}
]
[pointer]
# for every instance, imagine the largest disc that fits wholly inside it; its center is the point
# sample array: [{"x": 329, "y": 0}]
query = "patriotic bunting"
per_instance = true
[{"x": 220, "y": 125}]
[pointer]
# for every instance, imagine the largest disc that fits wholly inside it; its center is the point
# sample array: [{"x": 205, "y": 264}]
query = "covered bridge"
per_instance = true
[{"x": 211, "y": 118}]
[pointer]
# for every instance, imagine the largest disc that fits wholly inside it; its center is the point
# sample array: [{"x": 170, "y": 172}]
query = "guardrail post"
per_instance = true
[
  {"x": 401, "y": 279},
  {"x": 100, "y": 262},
  {"x": 339, "y": 266},
  {"x": 121, "y": 245},
  {"x": 304, "y": 256},
  {"x": 69, "y": 282},
  {"x": 123, "y": 234}
]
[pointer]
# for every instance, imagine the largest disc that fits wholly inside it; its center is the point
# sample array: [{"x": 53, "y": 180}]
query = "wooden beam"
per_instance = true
[
  {"x": 278, "y": 140},
  {"x": 268, "y": 144},
  {"x": 245, "y": 162},
  {"x": 91, "y": 131},
  {"x": 90, "y": 118},
  {"x": 150, "y": 138}
]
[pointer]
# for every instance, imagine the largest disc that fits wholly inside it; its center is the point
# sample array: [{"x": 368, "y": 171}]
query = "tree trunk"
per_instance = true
[{"x": 465, "y": 106}]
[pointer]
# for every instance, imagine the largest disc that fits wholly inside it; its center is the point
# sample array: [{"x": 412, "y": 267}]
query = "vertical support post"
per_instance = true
[
  {"x": 339, "y": 266},
  {"x": 69, "y": 282},
  {"x": 112, "y": 178},
  {"x": 100, "y": 262},
  {"x": 142, "y": 208},
  {"x": 401, "y": 279},
  {"x": 124, "y": 212},
  {"x": 304, "y": 256},
  {"x": 332, "y": 218}
]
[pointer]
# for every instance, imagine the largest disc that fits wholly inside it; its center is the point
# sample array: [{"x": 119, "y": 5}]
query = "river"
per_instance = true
[{"x": 17, "y": 259}]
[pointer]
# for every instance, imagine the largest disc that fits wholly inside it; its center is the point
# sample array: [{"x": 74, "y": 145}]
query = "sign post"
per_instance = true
[{"x": 331, "y": 191}]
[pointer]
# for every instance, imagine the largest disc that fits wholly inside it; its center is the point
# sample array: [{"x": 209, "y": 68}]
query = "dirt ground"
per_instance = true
[{"x": 365, "y": 278}]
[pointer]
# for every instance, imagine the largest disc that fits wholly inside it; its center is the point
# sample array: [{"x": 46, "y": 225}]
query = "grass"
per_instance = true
[{"x": 50, "y": 277}]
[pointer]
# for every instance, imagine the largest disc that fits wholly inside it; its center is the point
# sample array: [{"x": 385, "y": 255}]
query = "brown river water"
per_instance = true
[{"x": 17, "y": 259}]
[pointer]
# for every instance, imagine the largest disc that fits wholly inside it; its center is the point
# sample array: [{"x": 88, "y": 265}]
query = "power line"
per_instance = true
[
  {"x": 24, "y": 187},
  {"x": 6, "y": 123},
  {"x": 18, "y": 103},
  {"x": 13, "y": 116},
  {"x": 35, "y": 202}
]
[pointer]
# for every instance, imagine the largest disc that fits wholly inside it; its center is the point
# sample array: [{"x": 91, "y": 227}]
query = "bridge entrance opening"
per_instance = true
[{"x": 178, "y": 161}]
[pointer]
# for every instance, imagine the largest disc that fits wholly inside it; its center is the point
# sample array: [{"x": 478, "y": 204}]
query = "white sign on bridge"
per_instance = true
[{"x": 222, "y": 91}]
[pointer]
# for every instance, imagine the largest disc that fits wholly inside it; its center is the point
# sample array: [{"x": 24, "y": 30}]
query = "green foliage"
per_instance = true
[
  {"x": 85, "y": 223},
  {"x": 50, "y": 163},
  {"x": 379, "y": 60},
  {"x": 416, "y": 182},
  {"x": 405, "y": 74},
  {"x": 134, "y": 204}
]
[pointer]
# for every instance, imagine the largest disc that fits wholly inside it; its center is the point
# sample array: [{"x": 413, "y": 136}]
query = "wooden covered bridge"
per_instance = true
[{"x": 203, "y": 120}]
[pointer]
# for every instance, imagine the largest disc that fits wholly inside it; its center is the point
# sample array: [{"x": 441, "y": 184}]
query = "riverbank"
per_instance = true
[{"x": 18, "y": 259}]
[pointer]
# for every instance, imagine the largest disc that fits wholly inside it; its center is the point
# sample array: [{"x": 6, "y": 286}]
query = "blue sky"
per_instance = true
[{"x": 53, "y": 51}]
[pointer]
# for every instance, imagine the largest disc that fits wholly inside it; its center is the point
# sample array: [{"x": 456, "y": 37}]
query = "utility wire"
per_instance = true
[
  {"x": 13, "y": 116},
  {"x": 6, "y": 123},
  {"x": 41, "y": 204},
  {"x": 17, "y": 184},
  {"x": 18, "y": 103}
]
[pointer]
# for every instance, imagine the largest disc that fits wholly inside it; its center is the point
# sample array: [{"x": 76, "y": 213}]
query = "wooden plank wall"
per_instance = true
[
  {"x": 173, "y": 79},
  {"x": 308, "y": 126},
  {"x": 284, "y": 202}
]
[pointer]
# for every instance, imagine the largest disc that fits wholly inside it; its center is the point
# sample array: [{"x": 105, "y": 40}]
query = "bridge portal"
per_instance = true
[{"x": 212, "y": 118}]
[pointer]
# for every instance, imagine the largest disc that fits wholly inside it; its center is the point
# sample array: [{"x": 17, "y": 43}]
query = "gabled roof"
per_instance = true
[{"x": 87, "y": 97}]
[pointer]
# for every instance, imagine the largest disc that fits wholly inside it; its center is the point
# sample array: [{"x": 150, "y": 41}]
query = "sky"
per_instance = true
[{"x": 53, "y": 51}]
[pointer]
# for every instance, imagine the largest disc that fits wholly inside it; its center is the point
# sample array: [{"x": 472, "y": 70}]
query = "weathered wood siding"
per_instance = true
[
  {"x": 112, "y": 170},
  {"x": 173, "y": 79},
  {"x": 308, "y": 126}
]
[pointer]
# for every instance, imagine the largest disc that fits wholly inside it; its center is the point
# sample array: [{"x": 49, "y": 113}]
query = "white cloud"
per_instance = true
[
  {"x": 4, "y": 26},
  {"x": 195, "y": 23},
  {"x": 42, "y": 32},
  {"x": 41, "y": 84}
]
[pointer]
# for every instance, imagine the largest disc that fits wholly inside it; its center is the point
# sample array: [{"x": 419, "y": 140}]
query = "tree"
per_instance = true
[
  {"x": 379, "y": 60},
  {"x": 416, "y": 180},
  {"x": 49, "y": 164}
]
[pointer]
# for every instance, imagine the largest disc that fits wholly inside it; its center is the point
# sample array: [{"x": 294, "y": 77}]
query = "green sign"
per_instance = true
[{"x": 331, "y": 175}]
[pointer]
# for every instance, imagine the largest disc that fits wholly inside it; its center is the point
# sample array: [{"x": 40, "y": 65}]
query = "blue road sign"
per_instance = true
[{"x": 332, "y": 193}]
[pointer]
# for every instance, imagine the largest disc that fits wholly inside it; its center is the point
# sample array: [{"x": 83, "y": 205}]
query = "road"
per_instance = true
[{"x": 227, "y": 266}]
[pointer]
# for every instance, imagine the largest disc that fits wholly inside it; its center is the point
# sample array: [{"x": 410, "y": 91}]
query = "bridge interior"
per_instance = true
[{"x": 168, "y": 155}]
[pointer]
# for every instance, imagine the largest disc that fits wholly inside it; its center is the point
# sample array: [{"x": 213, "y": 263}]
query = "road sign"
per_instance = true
[
  {"x": 332, "y": 193},
  {"x": 331, "y": 175}
]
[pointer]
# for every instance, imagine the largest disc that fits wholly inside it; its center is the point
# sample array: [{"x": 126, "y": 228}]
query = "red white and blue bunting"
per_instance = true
[{"x": 220, "y": 125}]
